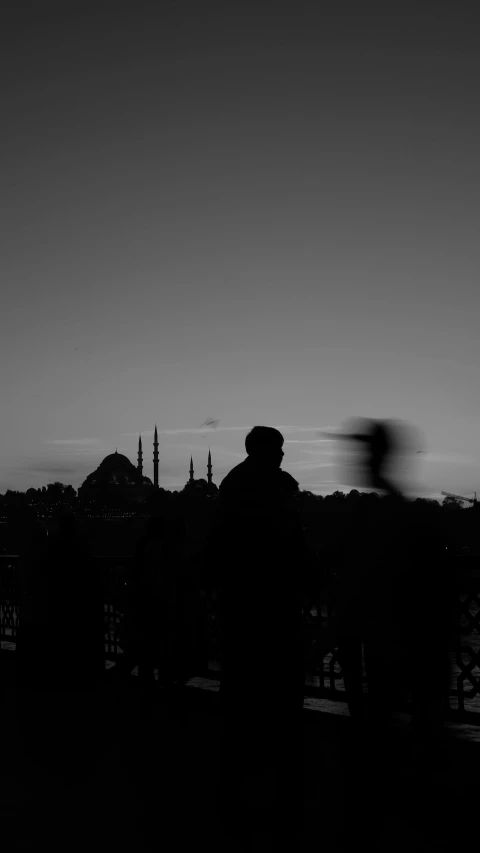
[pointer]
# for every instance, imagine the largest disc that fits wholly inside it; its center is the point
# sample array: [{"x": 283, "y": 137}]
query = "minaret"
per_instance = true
[
  {"x": 191, "y": 470},
  {"x": 140, "y": 456},
  {"x": 155, "y": 458},
  {"x": 209, "y": 468}
]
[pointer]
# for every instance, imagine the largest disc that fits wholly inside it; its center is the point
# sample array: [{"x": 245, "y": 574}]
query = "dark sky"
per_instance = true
[{"x": 211, "y": 210}]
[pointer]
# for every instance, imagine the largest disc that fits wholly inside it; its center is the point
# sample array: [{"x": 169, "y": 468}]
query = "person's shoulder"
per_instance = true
[
  {"x": 234, "y": 476},
  {"x": 288, "y": 482}
]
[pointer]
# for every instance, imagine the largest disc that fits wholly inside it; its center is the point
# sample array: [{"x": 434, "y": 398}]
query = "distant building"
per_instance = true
[
  {"x": 116, "y": 476},
  {"x": 201, "y": 486}
]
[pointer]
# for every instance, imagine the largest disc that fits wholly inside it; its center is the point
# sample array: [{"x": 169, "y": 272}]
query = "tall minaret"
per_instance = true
[
  {"x": 155, "y": 458},
  {"x": 191, "y": 470},
  {"x": 209, "y": 468},
  {"x": 140, "y": 456}
]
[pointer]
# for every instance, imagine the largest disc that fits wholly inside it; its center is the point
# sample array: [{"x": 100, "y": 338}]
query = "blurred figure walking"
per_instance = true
[
  {"x": 395, "y": 589},
  {"x": 370, "y": 548}
]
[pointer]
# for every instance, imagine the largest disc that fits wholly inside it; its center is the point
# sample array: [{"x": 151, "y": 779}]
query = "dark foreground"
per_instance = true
[{"x": 139, "y": 772}]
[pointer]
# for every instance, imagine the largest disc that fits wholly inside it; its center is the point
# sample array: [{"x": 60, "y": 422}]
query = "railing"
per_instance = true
[
  {"x": 9, "y": 616},
  {"x": 467, "y": 643},
  {"x": 324, "y": 674},
  {"x": 112, "y": 571}
]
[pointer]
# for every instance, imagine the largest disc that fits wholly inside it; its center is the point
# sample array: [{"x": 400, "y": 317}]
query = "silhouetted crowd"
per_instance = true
[{"x": 392, "y": 593}]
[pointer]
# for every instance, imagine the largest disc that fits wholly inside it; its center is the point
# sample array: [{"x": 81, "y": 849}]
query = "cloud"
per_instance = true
[
  {"x": 52, "y": 469},
  {"x": 186, "y": 430},
  {"x": 304, "y": 429},
  {"x": 310, "y": 464},
  {"x": 215, "y": 449},
  {"x": 457, "y": 458},
  {"x": 71, "y": 442},
  {"x": 308, "y": 440},
  {"x": 317, "y": 453},
  {"x": 327, "y": 485},
  {"x": 316, "y": 458},
  {"x": 205, "y": 429},
  {"x": 211, "y": 422},
  {"x": 89, "y": 451}
]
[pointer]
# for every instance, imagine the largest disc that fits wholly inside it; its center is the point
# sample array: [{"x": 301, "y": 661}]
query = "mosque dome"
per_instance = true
[
  {"x": 115, "y": 460},
  {"x": 116, "y": 474}
]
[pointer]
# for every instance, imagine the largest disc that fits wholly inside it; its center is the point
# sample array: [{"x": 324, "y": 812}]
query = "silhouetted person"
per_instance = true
[{"x": 260, "y": 554}]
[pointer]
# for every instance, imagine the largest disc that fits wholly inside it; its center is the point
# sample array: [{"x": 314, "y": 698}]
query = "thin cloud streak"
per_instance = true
[
  {"x": 317, "y": 454},
  {"x": 54, "y": 470},
  {"x": 201, "y": 430},
  {"x": 202, "y": 448},
  {"x": 308, "y": 440},
  {"x": 326, "y": 484},
  {"x": 187, "y": 431},
  {"x": 308, "y": 465},
  {"x": 304, "y": 429},
  {"x": 206, "y": 429},
  {"x": 458, "y": 458},
  {"x": 73, "y": 441}
]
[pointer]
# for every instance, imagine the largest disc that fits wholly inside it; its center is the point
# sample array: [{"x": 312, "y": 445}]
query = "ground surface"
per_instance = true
[{"x": 131, "y": 772}]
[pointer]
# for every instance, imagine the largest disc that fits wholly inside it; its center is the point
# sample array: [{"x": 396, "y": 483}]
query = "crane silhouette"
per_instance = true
[{"x": 461, "y": 498}]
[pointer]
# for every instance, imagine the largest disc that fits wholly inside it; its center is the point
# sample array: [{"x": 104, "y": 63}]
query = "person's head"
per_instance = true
[{"x": 264, "y": 445}]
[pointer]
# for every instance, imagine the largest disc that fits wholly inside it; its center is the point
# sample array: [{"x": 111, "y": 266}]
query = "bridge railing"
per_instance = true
[{"x": 324, "y": 677}]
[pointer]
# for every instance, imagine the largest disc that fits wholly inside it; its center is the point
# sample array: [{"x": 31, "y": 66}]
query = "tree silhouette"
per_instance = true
[{"x": 60, "y": 493}]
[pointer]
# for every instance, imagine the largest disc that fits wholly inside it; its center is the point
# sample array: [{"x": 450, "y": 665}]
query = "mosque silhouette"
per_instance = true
[{"x": 116, "y": 474}]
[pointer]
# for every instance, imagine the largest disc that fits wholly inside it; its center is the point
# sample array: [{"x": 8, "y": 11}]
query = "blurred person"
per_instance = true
[
  {"x": 372, "y": 549},
  {"x": 395, "y": 589},
  {"x": 371, "y": 444},
  {"x": 379, "y": 454}
]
